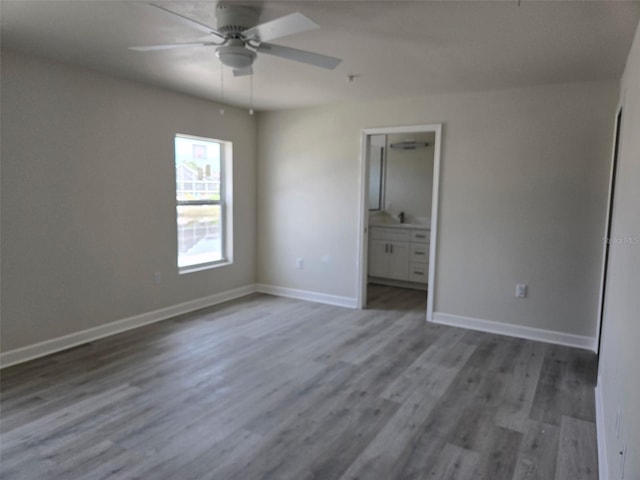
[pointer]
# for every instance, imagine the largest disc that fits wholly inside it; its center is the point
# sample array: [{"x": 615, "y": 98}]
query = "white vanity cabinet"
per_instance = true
[{"x": 399, "y": 253}]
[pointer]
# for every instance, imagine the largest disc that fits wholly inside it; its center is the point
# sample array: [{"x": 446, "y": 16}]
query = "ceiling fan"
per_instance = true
[{"x": 239, "y": 38}]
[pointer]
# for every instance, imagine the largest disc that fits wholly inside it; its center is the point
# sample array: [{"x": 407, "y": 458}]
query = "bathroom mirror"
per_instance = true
[
  {"x": 376, "y": 149},
  {"x": 409, "y": 176}
]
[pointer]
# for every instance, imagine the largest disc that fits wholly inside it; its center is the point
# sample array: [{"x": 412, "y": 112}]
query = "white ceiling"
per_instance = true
[{"x": 398, "y": 48}]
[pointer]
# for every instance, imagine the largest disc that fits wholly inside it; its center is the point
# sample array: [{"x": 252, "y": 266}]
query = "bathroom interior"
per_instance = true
[{"x": 400, "y": 182}]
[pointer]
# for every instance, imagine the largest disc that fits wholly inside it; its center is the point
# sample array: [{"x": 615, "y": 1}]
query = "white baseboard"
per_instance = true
[
  {"x": 603, "y": 463},
  {"x": 520, "y": 331},
  {"x": 308, "y": 295},
  {"x": 48, "y": 347}
]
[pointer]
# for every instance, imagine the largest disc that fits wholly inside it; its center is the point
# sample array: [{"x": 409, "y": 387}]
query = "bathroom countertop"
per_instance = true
[{"x": 400, "y": 225}]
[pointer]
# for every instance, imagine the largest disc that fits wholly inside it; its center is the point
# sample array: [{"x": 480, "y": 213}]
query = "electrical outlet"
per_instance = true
[
  {"x": 157, "y": 278},
  {"x": 521, "y": 290},
  {"x": 299, "y": 263}
]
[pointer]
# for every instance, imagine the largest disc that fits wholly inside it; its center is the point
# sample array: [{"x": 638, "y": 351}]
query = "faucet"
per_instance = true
[{"x": 401, "y": 216}]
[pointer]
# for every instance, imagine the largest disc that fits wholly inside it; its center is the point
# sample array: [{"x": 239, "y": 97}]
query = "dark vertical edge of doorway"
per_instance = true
[{"x": 612, "y": 191}]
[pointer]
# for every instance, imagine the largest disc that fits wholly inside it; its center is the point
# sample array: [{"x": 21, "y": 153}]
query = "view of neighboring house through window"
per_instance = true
[{"x": 200, "y": 201}]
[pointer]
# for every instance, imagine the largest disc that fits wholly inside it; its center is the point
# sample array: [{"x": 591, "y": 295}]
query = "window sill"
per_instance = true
[{"x": 203, "y": 266}]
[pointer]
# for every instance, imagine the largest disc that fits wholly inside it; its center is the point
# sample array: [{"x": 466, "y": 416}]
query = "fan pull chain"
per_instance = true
[
  {"x": 222, "y": 88},
  {"x": 251, "y": 94}
]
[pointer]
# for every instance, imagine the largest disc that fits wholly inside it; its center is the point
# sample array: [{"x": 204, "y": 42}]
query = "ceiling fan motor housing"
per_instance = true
[{"x": 235, "y": 19}]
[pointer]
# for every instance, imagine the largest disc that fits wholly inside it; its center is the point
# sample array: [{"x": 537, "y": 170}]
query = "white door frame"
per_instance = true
[{"x": 363, "y": 237}]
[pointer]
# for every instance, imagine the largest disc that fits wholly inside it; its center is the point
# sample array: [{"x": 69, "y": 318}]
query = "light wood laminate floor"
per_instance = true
[{"x": 273, "y": 388}]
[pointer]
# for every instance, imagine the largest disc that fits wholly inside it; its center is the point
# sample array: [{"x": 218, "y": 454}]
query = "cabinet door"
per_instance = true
[
  {"x": 399, "y": 261},
  {"x": 378, "y": 258}
]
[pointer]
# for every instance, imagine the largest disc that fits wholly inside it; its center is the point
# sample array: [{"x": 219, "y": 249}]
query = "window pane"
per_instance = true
[
  {"x": 199, "y": 234},
  {"x": 197, "y": 169}
]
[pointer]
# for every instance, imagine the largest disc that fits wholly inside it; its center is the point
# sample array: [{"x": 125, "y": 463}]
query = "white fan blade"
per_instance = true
[
  {"x": 302, "y": 56},
  {"x": 280, "y": 27},
  {"x": 188, "y": 21},
  {"x": 243, "y": 72},
  {"x": 169, "y": 46}
]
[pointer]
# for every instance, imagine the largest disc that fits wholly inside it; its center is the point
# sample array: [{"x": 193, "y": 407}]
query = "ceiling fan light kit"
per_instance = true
[{"x": 235, "y": 55}]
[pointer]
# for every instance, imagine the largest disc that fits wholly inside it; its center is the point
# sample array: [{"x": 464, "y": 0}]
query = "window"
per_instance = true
[{"x": 203, "y": 213}]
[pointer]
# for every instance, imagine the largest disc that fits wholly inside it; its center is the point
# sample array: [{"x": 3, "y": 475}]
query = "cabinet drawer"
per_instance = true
[
  {"x": 397, "y": 234},
  {"x": 418, "y": 272},
  {"x": 419, "y": 252},
  {"x": 420, "y": 235}
]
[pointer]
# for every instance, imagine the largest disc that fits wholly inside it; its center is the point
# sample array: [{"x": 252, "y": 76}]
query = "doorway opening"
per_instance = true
[{"x": 399, "y": 216}]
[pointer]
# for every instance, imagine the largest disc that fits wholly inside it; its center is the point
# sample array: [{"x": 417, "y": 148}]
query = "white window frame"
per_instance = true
[{"x": 225, "y": 202}]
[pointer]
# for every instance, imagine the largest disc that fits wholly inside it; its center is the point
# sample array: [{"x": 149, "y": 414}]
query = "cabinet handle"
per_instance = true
[
  {"x": 418, "y": 253},
  {"x": 386, "y": 248},
  {"x": 391, "y": 247},
  {"x": 418, "y": 273}
]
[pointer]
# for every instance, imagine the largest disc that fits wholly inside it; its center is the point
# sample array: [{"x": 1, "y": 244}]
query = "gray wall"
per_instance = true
[
  {"x": 523, "y": 199},
  {"x": 88, "y": 198},
  {"x": 619, "y": 381}
]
